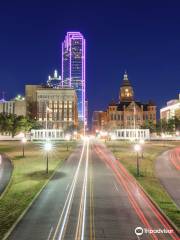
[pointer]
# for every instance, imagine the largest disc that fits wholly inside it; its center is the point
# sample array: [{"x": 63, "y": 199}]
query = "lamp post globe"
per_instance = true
[{"x": 47, "y": 148}]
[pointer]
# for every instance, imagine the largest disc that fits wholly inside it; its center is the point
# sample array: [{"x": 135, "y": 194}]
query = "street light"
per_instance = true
[
  {"x": 137, "y": 149},
  {"x": 47, "y": 110},
  {"x": 141, "y": 141},
  {"x": 47, "y": 148},
  {"x": 24, "y": 141},
  {"x": 67, "y": 138},
  {"x": 75, "y": 134}
]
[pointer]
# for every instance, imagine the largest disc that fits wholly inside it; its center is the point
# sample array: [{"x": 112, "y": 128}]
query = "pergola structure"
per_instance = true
[
  {"x": 129, "y": 134},
  {"x": 50, "y": 134}
]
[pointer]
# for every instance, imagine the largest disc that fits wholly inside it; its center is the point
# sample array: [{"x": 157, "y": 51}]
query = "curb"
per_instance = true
[
  {"x": 7, "y": 234},
  {"x": 10, "y": 179},
  {"x": 159, "y": 209},
  {"x": 155, "y": 204},
  {"x": 162, "y": 184}
]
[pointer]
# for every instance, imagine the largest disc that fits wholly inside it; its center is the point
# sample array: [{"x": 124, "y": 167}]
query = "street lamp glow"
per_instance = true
[
  {"x": 24, "y": 140},
  {"x": 141, "y": 141},
  {"x": 47, "y": 146},
  {"x": 137, "y": 148},
  {"x": 67, "y": 137},
  {"x": 177, "y": 133}
]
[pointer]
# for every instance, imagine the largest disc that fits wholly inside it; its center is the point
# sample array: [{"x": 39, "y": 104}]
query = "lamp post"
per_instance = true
[
  {"x": 67, "y": 138},
  {"x": 24, "y": 140},
  {"x": 47, "y": 148},
  {"x": 137, "y": 149},
  {"x": 47, "y": 110},
  {"x": 141, "y": 141}
]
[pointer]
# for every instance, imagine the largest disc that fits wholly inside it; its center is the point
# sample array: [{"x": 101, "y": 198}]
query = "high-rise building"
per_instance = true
[
  {"x": 54, "y": 81},
  {"x": 74, "y": 68}
]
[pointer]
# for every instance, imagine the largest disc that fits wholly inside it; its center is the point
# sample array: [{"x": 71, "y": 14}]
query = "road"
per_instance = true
[
  {"x": 6, "y": 169},
  {"x": 91, "y": 197},
  {"x": 168, "y": 171}
]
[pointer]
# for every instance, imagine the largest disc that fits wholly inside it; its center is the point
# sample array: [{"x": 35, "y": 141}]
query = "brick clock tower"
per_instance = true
[{"x": 126, "y": 91}]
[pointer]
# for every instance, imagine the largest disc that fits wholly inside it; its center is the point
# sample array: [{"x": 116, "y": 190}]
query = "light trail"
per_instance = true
[
  {"x": 159, "y": 216},
  {"x": 80, "y": 230},
  {"x": 175, "y": 158},
  {"x": 85, "y": 191},
  {"x": 127, "y": 179},
  {"x": 68, "y": 201},
  {"x": 91, "y": 205}
]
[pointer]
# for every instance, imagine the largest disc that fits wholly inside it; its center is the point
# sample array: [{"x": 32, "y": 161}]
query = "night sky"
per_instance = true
[{"x": 142, "y": 37}]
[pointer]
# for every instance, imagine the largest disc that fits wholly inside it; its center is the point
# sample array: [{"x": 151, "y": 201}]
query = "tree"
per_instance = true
[
  {"x": 177, "y": 123},
  {"x": 148, "y": 124},
  {"x": 13, "y": 124}
]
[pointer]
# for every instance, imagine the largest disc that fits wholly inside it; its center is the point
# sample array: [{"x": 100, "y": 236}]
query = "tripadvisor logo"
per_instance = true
[{"x": 139, "y": 231}]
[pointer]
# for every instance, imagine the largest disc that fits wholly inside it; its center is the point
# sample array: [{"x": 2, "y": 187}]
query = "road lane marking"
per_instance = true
[
  {"x": 85, "y": 191},
  {"x": 91, "y": 207},
  {"x": 80, "y": 229},
  {"x": 50, "y": 233},
  {"x": 68, "y": 199},
  {"x": 116, "y": 187},
  {"x": 120, "y": 178},
  {"x": 67, "y": 187}
]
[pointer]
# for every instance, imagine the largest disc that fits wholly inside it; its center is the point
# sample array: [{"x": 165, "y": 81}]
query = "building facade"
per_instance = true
[
  {"x": 99, "y": 121},
  {"x": 127, "y": 113},
  {"x": 53, "y": 108},
  {"x": 74, "y": 68},
  {"x": 15, "y": 106},
  {"x": 171, "y": 110}
]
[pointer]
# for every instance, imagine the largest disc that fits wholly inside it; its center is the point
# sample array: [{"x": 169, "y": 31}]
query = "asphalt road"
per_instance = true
[
  {"x": 168, "y": 171},
  {"x": 6, "y": 169},
  {"x": 91, "y": 197}
]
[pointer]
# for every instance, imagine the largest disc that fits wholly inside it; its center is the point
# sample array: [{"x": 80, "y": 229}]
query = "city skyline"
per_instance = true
[{"x": 140, "y": 38}]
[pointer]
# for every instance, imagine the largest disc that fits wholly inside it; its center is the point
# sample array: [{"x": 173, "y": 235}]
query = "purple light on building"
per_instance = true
[{"x": 74, "y": 68}]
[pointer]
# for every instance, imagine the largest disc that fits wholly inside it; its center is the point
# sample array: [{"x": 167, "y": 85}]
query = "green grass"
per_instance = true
[
  {"x": 28, "y": 177},
  {"x": 126, "y": 155}
]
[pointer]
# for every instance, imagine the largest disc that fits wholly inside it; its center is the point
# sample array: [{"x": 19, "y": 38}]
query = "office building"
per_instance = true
[
  {"x": 171, "y": 110},
  {"x": 74, "y": 69},
  {"x": 53, "y": 108}
]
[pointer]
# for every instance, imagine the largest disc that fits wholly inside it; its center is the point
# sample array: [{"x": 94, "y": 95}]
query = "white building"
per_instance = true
[
  {"x": 171, "y": 110},
  {"x": 15, "y": 106}
]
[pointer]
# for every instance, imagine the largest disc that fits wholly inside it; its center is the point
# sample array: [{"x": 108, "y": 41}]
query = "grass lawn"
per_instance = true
[
  {"x": 125, "y": 153},
  {"x": 28, "y": 177}
]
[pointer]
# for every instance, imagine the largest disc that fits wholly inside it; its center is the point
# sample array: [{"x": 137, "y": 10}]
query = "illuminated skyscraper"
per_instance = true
[
  {"x": 54, "y": 81},
  {"x": 74, "y": 68}
]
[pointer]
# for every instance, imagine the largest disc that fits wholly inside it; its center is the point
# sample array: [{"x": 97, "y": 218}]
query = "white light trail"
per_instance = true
[
  {"x": 66, "y": 208},
  {"x": 85, "y": 191}
]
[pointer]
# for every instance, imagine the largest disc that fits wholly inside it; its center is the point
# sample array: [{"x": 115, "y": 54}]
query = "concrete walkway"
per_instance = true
[
  {"x": 169, "y": 174},
  {"x": 6, "y": 169}
]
